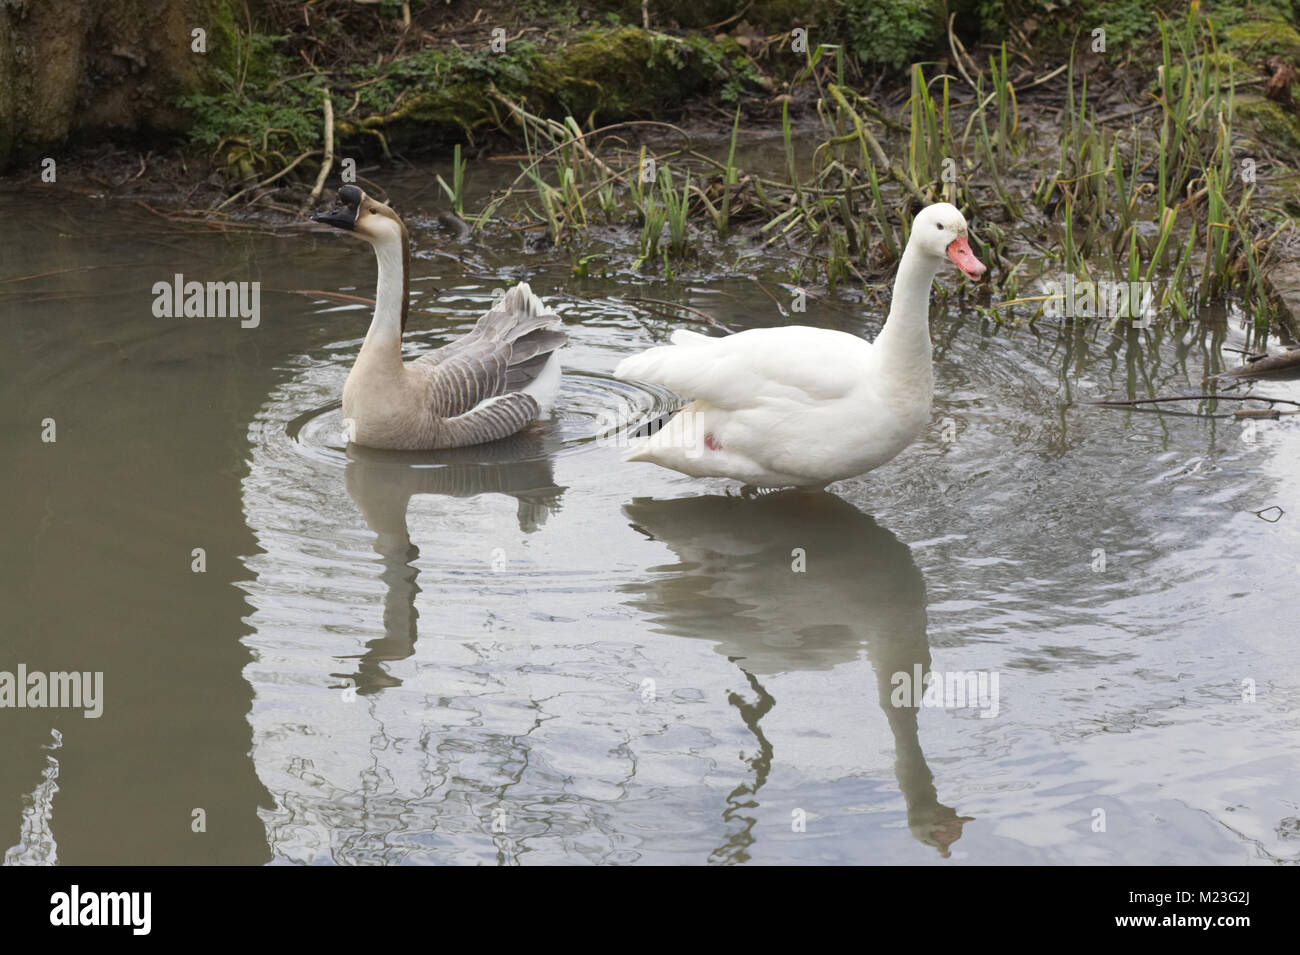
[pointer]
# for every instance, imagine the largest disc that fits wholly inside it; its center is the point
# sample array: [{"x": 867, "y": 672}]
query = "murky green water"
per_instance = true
[{"x": 533, "y": 653}]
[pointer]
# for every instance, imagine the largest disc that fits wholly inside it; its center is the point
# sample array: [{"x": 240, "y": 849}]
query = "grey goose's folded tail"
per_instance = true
[
  {"x": 505, "y": 353},
  {"x": 517, "y": 314}
]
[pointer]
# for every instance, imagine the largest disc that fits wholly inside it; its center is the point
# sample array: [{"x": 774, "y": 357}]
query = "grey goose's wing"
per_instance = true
[
  {"x": 492, "y": 420},
  {"x": 503, "y": 353}
]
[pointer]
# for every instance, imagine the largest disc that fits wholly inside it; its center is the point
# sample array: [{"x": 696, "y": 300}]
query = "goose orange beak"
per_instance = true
[{"x": 960, "y": 255}]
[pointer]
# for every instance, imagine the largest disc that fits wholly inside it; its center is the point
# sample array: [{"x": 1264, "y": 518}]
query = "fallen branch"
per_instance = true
[
  {"x": 877, "y": 154},
  {"x": 953, "y": 44},
  {"x": 570, "y": 137},
  {"x": 270, "y": 179},
  {"x": 328, "y": 163},
  {"x": 1265, "y": 365},
  {"x": 709, "y": 319},
  {"x": 1241, "y": 413}
]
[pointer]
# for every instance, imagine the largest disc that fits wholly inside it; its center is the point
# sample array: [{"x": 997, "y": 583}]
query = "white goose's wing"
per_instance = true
[{"x": 736, "y": 371}]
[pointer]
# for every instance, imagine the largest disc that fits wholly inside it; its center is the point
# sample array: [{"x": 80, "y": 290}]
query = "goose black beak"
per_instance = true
[{"x": 344, "y": 217}]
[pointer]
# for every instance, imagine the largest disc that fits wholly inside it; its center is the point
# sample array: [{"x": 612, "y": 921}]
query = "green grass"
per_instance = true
[{"x": 1152, "y": 198}]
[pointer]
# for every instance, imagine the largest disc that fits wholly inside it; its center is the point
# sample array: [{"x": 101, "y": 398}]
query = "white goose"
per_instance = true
[
  {"x": 489, "y": 384},
  {"x": 800, "y": 406}
]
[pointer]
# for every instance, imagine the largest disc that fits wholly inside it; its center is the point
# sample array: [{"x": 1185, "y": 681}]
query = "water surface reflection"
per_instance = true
[
  {"x": 382, "y": 483},
  {"x": 795, "y": 581}
]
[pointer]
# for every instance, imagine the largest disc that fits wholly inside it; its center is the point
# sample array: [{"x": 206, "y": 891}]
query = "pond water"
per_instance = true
[{"x": 534, "y": 653}]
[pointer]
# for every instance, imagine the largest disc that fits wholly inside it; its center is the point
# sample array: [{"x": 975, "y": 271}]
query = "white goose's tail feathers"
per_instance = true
[
  {"x": 658, "y": 364},
  {"x": 643, "y": 365},
  {"x": 684, "y": 336}
]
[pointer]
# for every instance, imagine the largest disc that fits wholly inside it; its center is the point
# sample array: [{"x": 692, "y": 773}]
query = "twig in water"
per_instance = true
[
  {"x": 685, "y": 308},
  {"x": 1130, "y": 402},
  {"x": 341, "y": 297},
  {"x": 779, "y": 307}
]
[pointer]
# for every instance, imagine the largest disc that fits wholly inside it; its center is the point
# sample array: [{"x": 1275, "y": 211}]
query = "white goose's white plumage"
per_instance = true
[{"x": 801, "y": 406}]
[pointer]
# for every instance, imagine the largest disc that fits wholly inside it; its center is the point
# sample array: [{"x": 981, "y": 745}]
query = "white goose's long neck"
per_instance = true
[
  {"x": 904, "y": 343},
  {"x": 384, "y": 339}
]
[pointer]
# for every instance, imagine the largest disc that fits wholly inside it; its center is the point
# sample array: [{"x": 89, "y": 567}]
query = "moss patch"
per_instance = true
[
  {"x": 628, "y": 72},
  {"x": 1276, "y": 127},
  {"x": 599, "y": 75},
  {"x": 1261, "y": 39},
  {"x": 224, "y": 22}
]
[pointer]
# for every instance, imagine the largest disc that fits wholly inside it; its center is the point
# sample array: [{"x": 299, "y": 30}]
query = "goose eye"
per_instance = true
[
  {"x": 373, "y": 210},
  {"x": 939, "y": 226}
]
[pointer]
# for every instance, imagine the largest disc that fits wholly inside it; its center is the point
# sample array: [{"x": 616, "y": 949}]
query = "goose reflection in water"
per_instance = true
[
  {"x": 382, "y": 484},
  {"x": 736, "y": 586}
]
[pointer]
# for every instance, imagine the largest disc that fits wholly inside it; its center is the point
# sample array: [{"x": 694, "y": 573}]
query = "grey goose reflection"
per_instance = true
[
  {"x": 382, "y": 483},
  {"x": 489, "y": 384},
  {"x": 735, "y": 586}
]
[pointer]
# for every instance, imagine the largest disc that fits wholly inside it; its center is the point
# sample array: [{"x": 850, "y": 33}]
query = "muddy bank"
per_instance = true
[
  {"x": 418, "y": 76},
  {"x": 415, "y": 78}
]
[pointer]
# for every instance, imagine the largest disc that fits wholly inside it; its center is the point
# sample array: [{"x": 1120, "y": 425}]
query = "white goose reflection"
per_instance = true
[{"x": 736, "y": 586}]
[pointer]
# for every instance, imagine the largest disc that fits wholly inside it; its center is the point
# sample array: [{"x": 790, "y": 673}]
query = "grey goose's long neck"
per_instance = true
[
  {"x": 904, "y": 342},
  {"x": 392, "y": 296}
]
